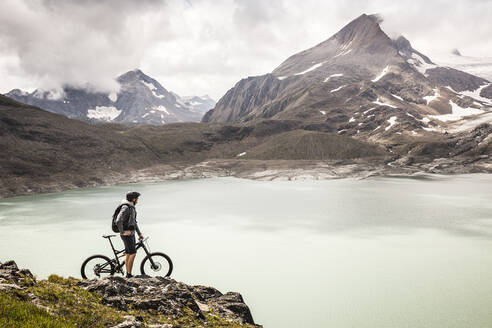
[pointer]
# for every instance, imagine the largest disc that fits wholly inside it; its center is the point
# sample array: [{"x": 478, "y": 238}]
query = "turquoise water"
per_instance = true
[{"x": 381, "y": 252}]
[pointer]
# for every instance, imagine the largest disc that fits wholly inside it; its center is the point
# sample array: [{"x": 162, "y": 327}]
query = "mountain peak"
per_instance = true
[
  {"x": 456, "y": 52},
  {"x": 363, "y": 28},
  {"x": 135, "y": 74}
]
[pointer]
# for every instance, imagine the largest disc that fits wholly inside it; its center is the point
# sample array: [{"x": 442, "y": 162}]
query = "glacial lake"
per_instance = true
[{"x": 380, "y": 252}]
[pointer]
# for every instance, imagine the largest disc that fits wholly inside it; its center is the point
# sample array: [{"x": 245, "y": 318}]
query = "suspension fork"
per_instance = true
[{"x": 147, "y": 252}]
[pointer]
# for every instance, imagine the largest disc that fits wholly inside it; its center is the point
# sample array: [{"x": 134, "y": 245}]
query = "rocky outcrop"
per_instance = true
[
  {"x": 458, "y": 80},
  {"x": 487, "y": 92},
  {"x": 168, "y": 297},
  {"x": 156, "y": 296},
  {"x": 11, "y": 276}
]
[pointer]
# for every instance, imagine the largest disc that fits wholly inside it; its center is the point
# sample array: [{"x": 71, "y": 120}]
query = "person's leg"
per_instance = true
[
  {"x": 129, "y": 263},
  {"x": 131, "y": 252}
]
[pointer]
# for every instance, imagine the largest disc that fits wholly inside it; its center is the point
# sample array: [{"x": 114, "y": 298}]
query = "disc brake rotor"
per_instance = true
[{"x": 156, "y": 267}]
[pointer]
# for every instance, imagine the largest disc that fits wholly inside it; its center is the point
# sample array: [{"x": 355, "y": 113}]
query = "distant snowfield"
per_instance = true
[
  {"x": 105, "y": 113},
  {"x": 474, "y": 65},
  {"x": 471, "y": 123}
]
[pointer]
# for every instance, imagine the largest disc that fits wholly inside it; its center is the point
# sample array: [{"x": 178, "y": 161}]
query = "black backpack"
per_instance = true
[{"x": 114, "y": 226}]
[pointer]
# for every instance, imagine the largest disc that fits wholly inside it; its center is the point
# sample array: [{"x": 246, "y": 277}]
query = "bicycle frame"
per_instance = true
[{"x": 120, "y": 254}]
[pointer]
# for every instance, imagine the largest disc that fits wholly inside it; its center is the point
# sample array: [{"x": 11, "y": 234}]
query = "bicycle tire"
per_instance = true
[
  {"x": 156, "y": 256},
  {"x": 103, "y": 257}
]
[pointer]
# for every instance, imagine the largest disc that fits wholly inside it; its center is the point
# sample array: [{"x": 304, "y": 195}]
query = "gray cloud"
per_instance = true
[{"x": 199, "y": 46}]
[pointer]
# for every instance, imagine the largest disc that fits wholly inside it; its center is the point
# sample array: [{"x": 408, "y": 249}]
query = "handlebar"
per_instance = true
[{"x": 143, "y": 240}]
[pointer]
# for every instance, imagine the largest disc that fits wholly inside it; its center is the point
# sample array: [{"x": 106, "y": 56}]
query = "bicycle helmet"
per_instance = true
[{"x": 132, "y": 195}]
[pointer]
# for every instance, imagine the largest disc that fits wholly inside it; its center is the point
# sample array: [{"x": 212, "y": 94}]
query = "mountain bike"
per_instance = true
[{"x": 153, "y": 264}]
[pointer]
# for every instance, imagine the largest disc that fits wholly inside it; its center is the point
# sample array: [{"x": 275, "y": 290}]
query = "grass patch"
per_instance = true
[
  {"x": 15, "y": 313},
  {"x": 72, "y": 306}
]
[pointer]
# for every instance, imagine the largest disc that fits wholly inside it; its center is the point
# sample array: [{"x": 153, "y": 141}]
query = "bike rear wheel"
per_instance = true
[
  {"x": 156, "y": 264},
  {"x": 97, "y": 266}
]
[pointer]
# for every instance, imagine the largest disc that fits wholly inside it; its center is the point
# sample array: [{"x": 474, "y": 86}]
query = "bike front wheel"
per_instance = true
[
  {"x": 156, "y": 264},
  {"x": 97, "y": 266}
]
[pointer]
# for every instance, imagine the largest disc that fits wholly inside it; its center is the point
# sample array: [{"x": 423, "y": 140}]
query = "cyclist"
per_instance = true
[{"x": 127, "y": 225}]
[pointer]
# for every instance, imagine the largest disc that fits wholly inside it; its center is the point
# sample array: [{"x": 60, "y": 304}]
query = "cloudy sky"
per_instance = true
[{"x": 206, "y": 46}]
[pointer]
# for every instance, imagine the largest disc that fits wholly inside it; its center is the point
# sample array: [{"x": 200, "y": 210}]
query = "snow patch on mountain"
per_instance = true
[
  {"x": 343, "y": 53},
  {"x": 377, "y": 102},
  {"x": 392, "y": 121},
  {"x": 475, "y": 94},
  {"x": 161, "y": 109},
  {"x": 153, "y": 89},
  {"x": 383, "y": 73},
  {"x": 433, "y": 97},
  {"x": 113, "y": 96},
  {"x": 397, "y": 97},
  {"x": 312, "y": 68},
  {"x": 339, "y": 88},
  {"x": 104, "y": 113},
  {"x": 333, "y": 75},
  {"x": 420, "y": 64},
  {"x": 457, "y": 113}
]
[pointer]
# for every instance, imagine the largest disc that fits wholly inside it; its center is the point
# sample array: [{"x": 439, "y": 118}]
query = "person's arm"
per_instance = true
[
  {"x": 138, "y": 230},
  {"x": 122, "y": 216}
]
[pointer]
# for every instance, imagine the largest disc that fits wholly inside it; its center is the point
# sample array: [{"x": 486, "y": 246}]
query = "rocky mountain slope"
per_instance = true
[
  {"x": 363, "y": 84},
  {"x": 140, "y": 100},
  {"x": 114, "y": 302},
  {"x": 42, "y": 151}
]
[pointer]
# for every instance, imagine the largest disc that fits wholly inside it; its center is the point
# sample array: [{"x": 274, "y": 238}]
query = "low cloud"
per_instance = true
[{"x": 205, "y": 47}]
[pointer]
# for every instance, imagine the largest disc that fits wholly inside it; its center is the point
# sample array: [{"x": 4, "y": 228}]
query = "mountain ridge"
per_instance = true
[{"x": 140, "y": 100}]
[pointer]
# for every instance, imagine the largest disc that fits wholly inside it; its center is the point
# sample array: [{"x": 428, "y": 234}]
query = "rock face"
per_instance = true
[
  {"x": 158, "y": 296},
  {"x": 140, "y": 100},
  {"x": 11, "y": 276},
  {"x": 169, "y": 297},
  {"x": 360, "y": 83}
]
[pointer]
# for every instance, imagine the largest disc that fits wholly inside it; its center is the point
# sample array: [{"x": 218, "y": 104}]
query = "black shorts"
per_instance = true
[{"x": 129, "y": 242}]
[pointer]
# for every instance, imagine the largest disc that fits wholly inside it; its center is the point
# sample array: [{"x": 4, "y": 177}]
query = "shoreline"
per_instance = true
[{"x": 261, "y": 170}]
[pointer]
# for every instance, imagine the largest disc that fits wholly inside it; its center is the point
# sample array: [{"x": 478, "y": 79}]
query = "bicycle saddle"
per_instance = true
[{"x": 109, "y": 236}]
